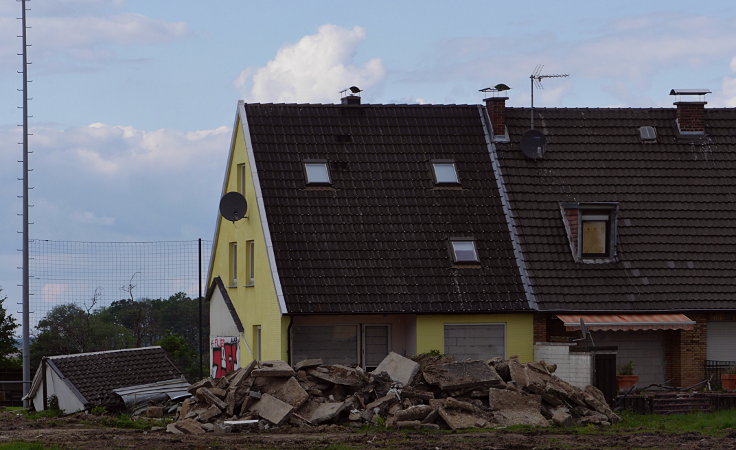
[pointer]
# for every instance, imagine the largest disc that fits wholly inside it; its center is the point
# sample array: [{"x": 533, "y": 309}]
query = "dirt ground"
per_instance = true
[{"x": 78, "y": 432}]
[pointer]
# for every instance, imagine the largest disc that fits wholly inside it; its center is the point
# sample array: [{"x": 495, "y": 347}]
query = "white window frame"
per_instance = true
[
  {"x": 233, "y": 264},
  {"x": 315, "y": 163},
  {"x": 442, "y": 162},
  {"x": 250, "y": 271},
  {"x": 454, "y": 250}
]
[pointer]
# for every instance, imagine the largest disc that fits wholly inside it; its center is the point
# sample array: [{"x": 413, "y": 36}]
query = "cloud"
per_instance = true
[
  {"x": 89, "y": 217},
  {"x": 50, "y": 292},
  {"x": 727, "y": 95},
  {"x": 314, "y": 69}
]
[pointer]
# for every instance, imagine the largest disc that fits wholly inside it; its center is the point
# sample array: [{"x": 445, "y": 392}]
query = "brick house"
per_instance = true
[{"x": 628, "y": 221}]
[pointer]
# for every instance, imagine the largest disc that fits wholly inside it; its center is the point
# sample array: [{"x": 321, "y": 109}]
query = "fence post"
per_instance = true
[{"x": 201, "y": 347}]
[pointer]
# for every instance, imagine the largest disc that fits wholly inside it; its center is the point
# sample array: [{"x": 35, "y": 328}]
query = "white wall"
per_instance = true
[
  {"x": 68, "y": 401},
  {"x": 573, "y": 367}
]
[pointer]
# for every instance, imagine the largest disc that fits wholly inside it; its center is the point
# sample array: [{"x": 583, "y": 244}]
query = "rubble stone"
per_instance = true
[
  {"x": 515, "y": 408},
  {"x": 274, "y": 369},
  {"x": 272, "y": 409},
  {"x": 460, "y": 419},
  {"x": 189, "y": 426},
  {"x": 562, "y": 417},
  {"x": 399, "y": 368},
  {"x": 218, "y": 392},
  {"x": 418, "y": 412},
  {"x": 210, "y": 398},
  {"x": 171, "y": 428},
  {"x": 209, "y": 414},
  {"x": 307, "y": 363},
  {"x": 463, "y": 374},
  {"x": 205, "y": 382},
  {"x": 337, "y": 374},
  {"x": 291, "y": 392},
  {"x": 186, "y": 406},
  {"x": 326, "y": 412}
]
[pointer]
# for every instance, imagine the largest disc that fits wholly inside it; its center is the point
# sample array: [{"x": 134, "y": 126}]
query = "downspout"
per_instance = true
[{"x": 288, "y": 339}]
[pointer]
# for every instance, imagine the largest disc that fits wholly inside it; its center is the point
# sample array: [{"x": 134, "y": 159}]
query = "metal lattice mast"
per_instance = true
[{"x": 26, "y": 276}]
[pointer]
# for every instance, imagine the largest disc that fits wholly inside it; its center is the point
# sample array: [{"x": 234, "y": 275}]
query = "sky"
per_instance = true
[{"x": 133, "y": 102}]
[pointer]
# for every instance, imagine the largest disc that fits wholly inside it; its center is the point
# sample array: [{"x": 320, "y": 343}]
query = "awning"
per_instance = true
[{"x": 627, "y": 322}]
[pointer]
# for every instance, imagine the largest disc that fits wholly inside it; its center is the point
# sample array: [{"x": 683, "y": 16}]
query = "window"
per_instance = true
[
  {"x": 241, "y": 179},
  {"x": 463, "y": 251},
  {"x": 233, "y": 257},
  {"x": 475, "y": 341},
  {"x": 445, "y": 172},
  {"x": 250, "y": 263},
  {"x": 317, "y": 172},
  {"x": 595, "y": 228},
  {"x": 257, "y": 342},
  {"x": 334, "y": 344}
]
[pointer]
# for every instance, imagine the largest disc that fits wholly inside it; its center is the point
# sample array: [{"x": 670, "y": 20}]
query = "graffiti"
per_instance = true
[{"x": 225, "y": 355}]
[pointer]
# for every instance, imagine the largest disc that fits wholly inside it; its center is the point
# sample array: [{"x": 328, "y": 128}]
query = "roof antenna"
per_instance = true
[{"x": 536, "y": 79}]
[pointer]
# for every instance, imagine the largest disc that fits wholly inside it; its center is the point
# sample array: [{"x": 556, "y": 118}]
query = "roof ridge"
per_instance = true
[{"x": 76, "y": 355}]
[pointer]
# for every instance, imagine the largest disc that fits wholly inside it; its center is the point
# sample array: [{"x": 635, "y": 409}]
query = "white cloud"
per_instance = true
[
  {"x": 89, "y": 217},
  {"x": 314, "y": 69},
  {"x": 727, "y": 95}
]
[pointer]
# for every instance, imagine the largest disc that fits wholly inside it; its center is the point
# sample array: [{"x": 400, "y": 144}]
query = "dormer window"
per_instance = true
[
  {"x": 464, "y": 251},
  {"x": 445, "y": 172},
  {"x": 317, "y": 173},
  {"x": 591, "y": 230}
]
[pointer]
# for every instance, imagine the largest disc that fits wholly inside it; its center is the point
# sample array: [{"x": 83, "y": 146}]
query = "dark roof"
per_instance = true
[
  {"x": 377, "y": 241},
  {"x": 218, "y": 284},
  {"x": 95, "y": 375},
  {"x": 677, "y": 208}
]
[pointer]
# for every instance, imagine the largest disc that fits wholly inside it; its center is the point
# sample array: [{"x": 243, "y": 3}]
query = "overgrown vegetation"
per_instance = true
[
  {"x": 8, "y": 344},
  {"x": 171, "y": 323}
]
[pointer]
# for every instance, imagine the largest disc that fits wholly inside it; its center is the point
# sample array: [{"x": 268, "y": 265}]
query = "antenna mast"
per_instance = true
[
  {"x": 536, "y": 79},
  {"x": 26, "y": 276}
]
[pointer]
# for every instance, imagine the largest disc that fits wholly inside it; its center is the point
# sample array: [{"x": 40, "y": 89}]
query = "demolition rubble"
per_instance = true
[{"x": 430, "y": 392}]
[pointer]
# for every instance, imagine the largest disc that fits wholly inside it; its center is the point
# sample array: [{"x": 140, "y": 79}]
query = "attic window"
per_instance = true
[
  {"x": 464, "y": 251},
  {"x": 317, "y": 172},
  {"x": 591, "y": 230},
  {"x": 445, "y": 172},
  {"x": 648, "y": 134}
]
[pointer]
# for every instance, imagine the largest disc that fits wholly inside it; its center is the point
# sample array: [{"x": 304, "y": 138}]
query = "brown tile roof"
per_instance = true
[
  {"x": 677, "y": 208},
  {"x": 95, "y": 375},
  {"x": 377, "y": 241}
]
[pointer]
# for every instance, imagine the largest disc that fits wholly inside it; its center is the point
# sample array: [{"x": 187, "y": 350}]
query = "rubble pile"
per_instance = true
[{"x": 429, "y": 392}]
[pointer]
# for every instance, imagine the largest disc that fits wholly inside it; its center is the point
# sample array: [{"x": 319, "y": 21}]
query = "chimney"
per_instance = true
[
  {"x": 350, "y": 100},
  {"x": 497, "y": 112},
  {"x": 690, "y": 110}
]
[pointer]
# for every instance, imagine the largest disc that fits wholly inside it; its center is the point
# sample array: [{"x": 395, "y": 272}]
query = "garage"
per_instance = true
[{"x": 721, "y": 341}]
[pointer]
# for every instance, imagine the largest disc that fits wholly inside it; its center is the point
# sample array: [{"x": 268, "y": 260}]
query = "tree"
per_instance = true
[
  {"x": 182, "y": 354},
  {"x": 8, "y": 343}
]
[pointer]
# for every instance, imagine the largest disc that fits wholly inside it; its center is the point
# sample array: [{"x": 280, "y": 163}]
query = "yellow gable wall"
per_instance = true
[
  {"x": 257, "y": 304},
  {"x": 519, "y": 332}
]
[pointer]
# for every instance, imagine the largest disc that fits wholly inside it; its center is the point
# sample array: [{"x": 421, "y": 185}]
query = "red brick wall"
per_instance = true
[
  {"x": 497, "y": 111},
  {"x": 690, "y": 116}
]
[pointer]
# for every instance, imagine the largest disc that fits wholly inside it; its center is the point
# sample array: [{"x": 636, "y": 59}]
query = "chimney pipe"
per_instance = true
[
  {"x": 350, "y": 100},
  {"x": 497, "y": 112},
  {"x": 690, "y": 113}
]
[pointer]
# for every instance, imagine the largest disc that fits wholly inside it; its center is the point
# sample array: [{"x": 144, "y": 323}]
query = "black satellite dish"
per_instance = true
[
  {"x": 533, "y": 144},
  {"x": 233, "y": 206}
]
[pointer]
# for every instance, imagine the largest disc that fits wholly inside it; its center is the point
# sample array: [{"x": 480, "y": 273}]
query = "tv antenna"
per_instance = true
[{"x": 536, "y": 79}]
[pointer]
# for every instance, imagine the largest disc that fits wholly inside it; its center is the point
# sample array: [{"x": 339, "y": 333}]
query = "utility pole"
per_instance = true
[{"x": 26, "y": 291}]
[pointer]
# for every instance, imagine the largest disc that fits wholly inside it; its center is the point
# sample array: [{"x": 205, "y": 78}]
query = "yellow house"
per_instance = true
[{"x": 369, "y": 229}]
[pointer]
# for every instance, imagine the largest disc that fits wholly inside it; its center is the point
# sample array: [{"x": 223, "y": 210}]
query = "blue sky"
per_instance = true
[{"x": 133, "y": 101}]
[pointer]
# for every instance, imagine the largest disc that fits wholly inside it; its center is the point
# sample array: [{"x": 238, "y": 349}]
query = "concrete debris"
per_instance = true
[{"x": 421, "y": 393}]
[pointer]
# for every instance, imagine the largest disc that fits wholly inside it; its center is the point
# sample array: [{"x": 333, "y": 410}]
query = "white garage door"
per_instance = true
[
  {"x": 475, "y": 341},
  {"x": 722, "y": 341},
  {"x": 645, "y": 348}
]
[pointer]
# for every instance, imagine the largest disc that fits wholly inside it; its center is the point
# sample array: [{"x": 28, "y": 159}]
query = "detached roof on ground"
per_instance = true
[{"x": 86, "y": 380}]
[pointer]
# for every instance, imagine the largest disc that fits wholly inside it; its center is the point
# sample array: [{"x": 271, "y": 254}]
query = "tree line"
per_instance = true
[{"x": 172, "y": 323}]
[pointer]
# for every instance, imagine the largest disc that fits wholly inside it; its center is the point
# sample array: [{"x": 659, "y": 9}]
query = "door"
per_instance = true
[{"x": 375, "y": 344}]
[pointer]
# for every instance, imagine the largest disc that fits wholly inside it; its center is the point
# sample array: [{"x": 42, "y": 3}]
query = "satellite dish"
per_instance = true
[
  {"x": 533, "y": 144},
  {"x": 233, "y": 206}
]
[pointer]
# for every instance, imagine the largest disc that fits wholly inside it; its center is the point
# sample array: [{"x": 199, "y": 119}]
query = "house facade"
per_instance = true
[
  {"x": 369, "y": 229},
  {"x": 628, "y": 221}
]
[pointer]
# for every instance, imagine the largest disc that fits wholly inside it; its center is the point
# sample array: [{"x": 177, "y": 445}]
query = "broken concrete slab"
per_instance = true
[
  {"x": 273, "y": 369},
  {"x": 517, "y": 373},
  {"x": 461, "y": 375},
  {"x": 399, "y": 368},
  {"x": 209, "y": 414},
  {"x": 337, "y": 374},
  {"x": 326, "y": 412},
  {"x": 307, "y": 364},
  {"x": 418, "y": 412},
  {"x": 460, "y": 419},
  {"x": 515, "y": 408},
  {"x": 291, "y": 392},
  {"x": 272, "y": 409},
  {"x": 171, "y": 428},
  {"x": 186, "y": 406},
  {"x": 219, "y": 392},
  {"x": 562, "y": 417},
  {"x": 189, "y": 426},
  {"x": 205, "y": 382},
  {"x": 211, "y": 399}
]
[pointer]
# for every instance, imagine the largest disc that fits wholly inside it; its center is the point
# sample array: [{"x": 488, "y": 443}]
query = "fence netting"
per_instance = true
[{"x": 99, "y": 273}]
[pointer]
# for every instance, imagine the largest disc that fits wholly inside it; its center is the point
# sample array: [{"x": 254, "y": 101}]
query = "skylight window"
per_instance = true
[
  {"x": 317, "y": 172},
  {"x": 445, "y": 172},
  {"x": 596, "y": 234},
  {"x": 464, "y": 251}
]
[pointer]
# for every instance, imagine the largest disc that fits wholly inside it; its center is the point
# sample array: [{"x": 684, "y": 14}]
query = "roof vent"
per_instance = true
[
  {"x": 351, "y": 98},
  {"x": 648, "y": 134}
]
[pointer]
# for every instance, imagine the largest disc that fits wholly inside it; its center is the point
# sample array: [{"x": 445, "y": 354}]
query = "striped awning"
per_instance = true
[{"x": 624, "y": 322}]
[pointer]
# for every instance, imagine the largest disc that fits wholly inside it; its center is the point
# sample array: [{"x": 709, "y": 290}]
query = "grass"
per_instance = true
[
  {"x": 720, "y": 423},
  {"x": 25, "y": 446},
  {"x": 125, "y": 421}
]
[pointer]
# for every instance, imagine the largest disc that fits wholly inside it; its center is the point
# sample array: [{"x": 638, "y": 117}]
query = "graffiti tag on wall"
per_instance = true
[{"x": 225, "y": 355}]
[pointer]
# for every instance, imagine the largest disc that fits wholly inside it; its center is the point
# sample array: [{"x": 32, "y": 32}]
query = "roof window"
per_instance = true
[
  {"x": 648, "y": 134},
  {"x": 445, "y": 172},
  {"x": 317, "y": 172},
  {"x": 464, "y": 251}
]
